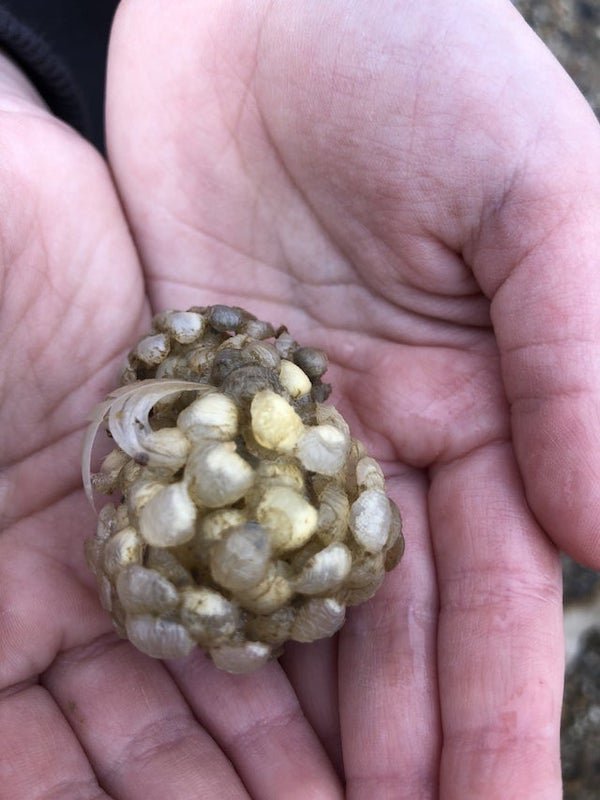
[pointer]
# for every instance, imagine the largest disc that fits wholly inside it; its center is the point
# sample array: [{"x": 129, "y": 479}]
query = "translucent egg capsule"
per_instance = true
[
  {"x": 240, "y": 658},
  {"x": 184, "y": 326},
  {"x": 263, "y": 354},
  {"x": 369, "y": 474},
  {"x": 333, "y": 514},
  {"x": 318, "y": 618},
  {"x": 122, "y": 550},
  {"x": 157, "y": 637},
  {"x": 240, "y": 559},
  {"x": 151, "y": 350},
  {"x": 208, "y": 616},
  {"x": 107, "y": 522},
  {"x": 141, "y": 589}
]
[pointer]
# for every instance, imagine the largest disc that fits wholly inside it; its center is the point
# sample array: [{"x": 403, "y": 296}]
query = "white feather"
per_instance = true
[{"x": 127, "y": 409}]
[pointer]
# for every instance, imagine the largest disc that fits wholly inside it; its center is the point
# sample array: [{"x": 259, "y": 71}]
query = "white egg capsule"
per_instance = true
[
  {"x": 217, "y": 475},
  {"x": 214, "y": 416},
  {"x": 323, "y": 449},
  {"x": 169, "y": 517},
  {"x": 370, "y": 518},
  {"x": 169, "y": 446}
]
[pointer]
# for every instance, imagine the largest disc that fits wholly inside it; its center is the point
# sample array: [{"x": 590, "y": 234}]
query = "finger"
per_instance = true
[
  {"x": 537, "y": 256},
  {"x": 257, "y": 721},
  {"x": 135, "y": 727},
  {"x": 312, "y": 670},
  {"x": 500, "y": 650},
  {"x": 388, "y": 678},
  {"x": 41, "y": 758}
]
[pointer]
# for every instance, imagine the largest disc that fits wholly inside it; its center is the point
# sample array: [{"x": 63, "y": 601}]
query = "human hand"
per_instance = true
[
  {"x": 409, "y": 186},
  {"x": 256, "y": 170}
]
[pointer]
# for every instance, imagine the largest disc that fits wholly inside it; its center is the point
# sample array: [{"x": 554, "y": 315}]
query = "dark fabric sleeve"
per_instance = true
[
  {"x": 61, "y": 46},
  {"x": 50, "y": 75}
]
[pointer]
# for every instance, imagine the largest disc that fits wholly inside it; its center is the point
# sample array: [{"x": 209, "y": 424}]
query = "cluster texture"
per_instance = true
[{"x": 246, "y": 513}]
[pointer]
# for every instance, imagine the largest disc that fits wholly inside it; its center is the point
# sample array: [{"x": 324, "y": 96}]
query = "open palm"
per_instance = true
[{"x": 397, "y": 189}]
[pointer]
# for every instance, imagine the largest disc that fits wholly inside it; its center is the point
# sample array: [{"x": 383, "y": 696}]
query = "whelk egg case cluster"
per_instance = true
[{"x": 246, "y": 513}]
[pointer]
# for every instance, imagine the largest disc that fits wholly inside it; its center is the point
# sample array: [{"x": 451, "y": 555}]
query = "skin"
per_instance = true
[{"x": 415, "y": 189}]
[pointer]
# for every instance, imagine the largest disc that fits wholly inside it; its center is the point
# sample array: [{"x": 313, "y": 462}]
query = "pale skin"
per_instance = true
[{"x": 415, "y": 189}]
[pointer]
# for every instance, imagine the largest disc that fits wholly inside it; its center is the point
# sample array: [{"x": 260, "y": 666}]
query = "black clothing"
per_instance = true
[{"x": 61, "y": 45}]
